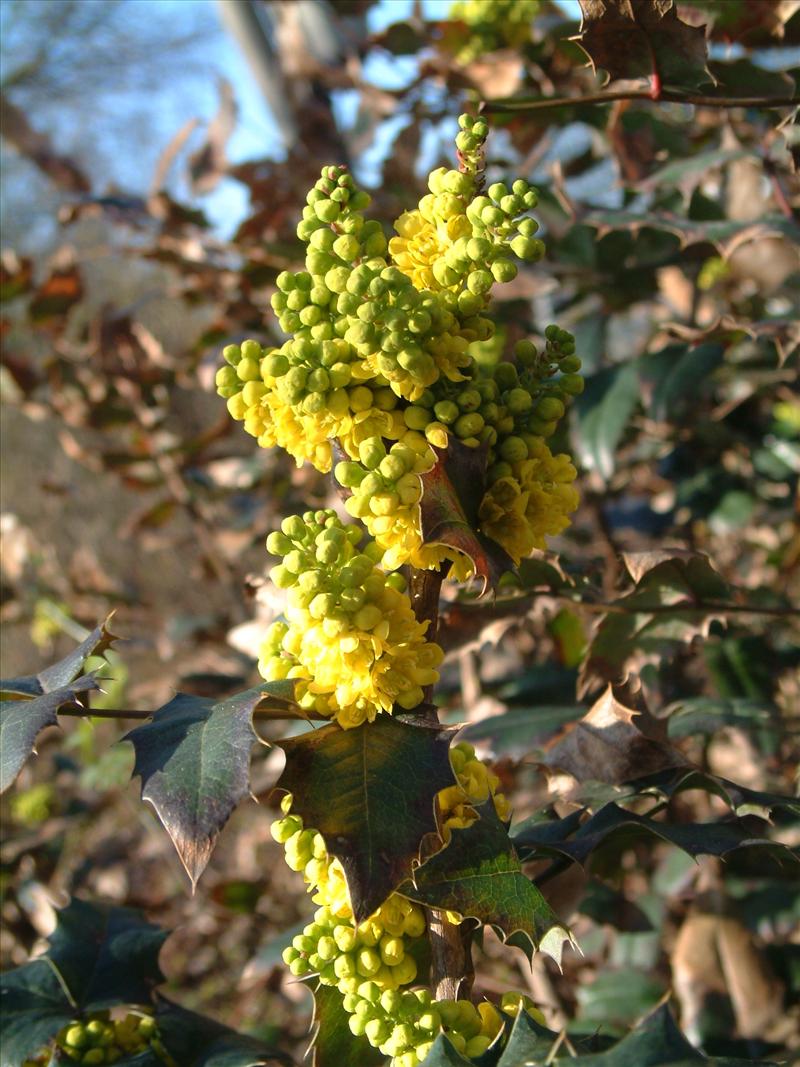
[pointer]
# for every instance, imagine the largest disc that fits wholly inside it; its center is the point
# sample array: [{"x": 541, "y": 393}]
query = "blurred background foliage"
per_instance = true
[{"x": 156, "y": 157}]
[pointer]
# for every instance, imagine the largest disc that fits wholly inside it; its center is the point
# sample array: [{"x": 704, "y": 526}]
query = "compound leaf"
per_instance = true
[
  {"x": 479, "y": 875},
  {"x": 370, "y": 792},
  {"x": 193, "y": 758}
]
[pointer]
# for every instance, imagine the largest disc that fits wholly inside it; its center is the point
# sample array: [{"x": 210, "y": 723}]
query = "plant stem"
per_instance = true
[
  {"x": 529, "y": 103},
  {"x": 452, "y": 971},
  {"x": 270, "y": 712}
]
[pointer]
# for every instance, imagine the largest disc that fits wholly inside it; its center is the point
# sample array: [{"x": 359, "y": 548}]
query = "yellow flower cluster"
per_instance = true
[{"x": 351, "y": 640}]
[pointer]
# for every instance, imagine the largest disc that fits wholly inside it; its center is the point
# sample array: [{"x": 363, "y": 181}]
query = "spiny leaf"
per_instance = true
[
  {"x": 333, "y": 1042},
  {"x": 21, "y": 722},
  {"x": 676, "y": 597},
  {"x": 528, "y": 1042},
  {"x": 478, "y": 874},
  {"x": 193, "y": 758},
  {"x": 445, "y": 1054},
  {"x": 451, "y": 494},
  {"x": 40, "y": 698},
  {"x": 607, "y": 746},
  {"x": 33, "y": 1008},
  {"x": 644, "y": 39},
  {"x": 719, "y": 232},
  {"x": 613, "y": 824},
  {"x": 106, "y": 955},
  {"x": 657, "y": 1042},
  {"x": 370, "y": 792}
]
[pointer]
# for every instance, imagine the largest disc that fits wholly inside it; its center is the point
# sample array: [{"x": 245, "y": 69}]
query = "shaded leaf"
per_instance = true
[
  {"x": 106, "y": 955},
  {"x": 33, "y": 1008},
  {"x": 451, "y": 494},
  {"x": 333, "y": 1042},
  {"x": 606, "y": 745},
  {"x": 193, "y": 758},
  {"x": 21, "y": 722},
  {"x": 673, "y": 377},
  {"x": 613, "y": 825},
  {"x": 677, "y": 596},
  {"x": 528, "y": 1042},
  {"x": 644, "y": 39},
  {"x": 518, "y": 731},
  {"x": 719, "y": 232},
  {"x": 601, "y": 415},
  {"x": 197, "y": 1041},
  {"x": 373, "y": 822},
  {"x": 478, "y": 874},
  {"x": 669, "y": 782}
]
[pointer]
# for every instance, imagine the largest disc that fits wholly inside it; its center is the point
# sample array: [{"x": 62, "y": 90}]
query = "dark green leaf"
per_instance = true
[
  {"x": 706, "y": 715},
  {"x": 518, "y": 731},
  {"x": 601, "y": 415},
  {"x": 21, "y": 722},
  {"x": 194, "y": 761},
  {"x": 613, "y": 825},
  {"x": 478, "y": 875},
  {"x": 644, "y": 39},
  {"x": 334, "y": 1044},
  {"x": 445, "y": 1054},
  {"x": 742, "y": 800},
  {"x": 33, "y": 1008},
  {"x": 606, "y": 905},
  {"x": 618, "y": 998},
  {"x": 68, "y": 669},
  {"x": 528, "y": 1042},
  {"x": 355, "y": 788},
  {"x": 718, "y": 232},
  {"x": 197, "y": 1041},
  {"x": 106, "y": 955},
  {"x": 673, "y": 376},
  {"x": 743, "y": 77}
]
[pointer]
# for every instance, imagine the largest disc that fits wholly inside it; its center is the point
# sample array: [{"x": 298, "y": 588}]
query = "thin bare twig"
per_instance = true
[{"x": 528, "y": 103}]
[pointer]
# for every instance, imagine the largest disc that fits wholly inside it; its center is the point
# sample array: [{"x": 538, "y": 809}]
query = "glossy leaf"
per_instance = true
[
  {"x": 528, "y": 1042},
  {"x": 445, "y": 1054},
  {"x": 198, "y": 1041},
  {"x": 353, "y": 786},
  {"x": 601, "y": 416},
  {"x": 478, "y": 874},
  {"x": 193, "y": 758},
  {"x": 519, "y": 731}
]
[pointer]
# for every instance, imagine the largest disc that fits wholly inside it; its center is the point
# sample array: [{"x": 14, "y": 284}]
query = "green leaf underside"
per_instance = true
[
  {"x": 354, "y": 787},
  {"x": 106, "y": 955},
  {"x": 43, "y": 695},
  {"x": 479, "y": 875},
  {"x": 451, "y": 494},
  {"x": 21, "y": 722},
  {"x": 33, "y": 1008},
  {"x": 334, "y": 1044},
  {"x": 193, "y": 758},
  {"x": 613, "y": 824}
]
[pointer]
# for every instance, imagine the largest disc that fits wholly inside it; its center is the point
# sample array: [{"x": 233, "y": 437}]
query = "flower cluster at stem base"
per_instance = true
[{"x": 99, "y": 1039}]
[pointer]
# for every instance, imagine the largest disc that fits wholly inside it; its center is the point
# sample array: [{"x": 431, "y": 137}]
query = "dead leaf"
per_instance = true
[
  {"x": 36, "y": 147},
  {"x": 606, "y": 745},
  {"x": 207, "y": 166}
]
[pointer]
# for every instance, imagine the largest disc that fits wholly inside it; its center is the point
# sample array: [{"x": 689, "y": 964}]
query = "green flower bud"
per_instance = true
[
  {"x": 513, "y": 449},
  {"x": 504, "y": 270},
  {"x": 549, "y": 408},
  {"x": 572, "y": 384}
]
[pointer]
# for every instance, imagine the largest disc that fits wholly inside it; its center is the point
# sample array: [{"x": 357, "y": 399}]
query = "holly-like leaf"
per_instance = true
[
  {"x": 606, "y": 745},
  {"x": 644, "y": 39},
  {"x": 601, "y": 416},
  {"x": 193, "y": 758},
  {"x": 33, "y": 1008},
  {"x": 657, "y": 1042},
  {"x": 743, "y": 801},
  {"x": 451, "y": 495},
  {"x": 370, "y": 792},
  {"x": 479, "y": 875},
  {"x": 21, "y": 722},
  {"x": 106, "y": 955},
  {"x": 197, "y": 1041},
  {"x": 677, "y": 596},
  {"x": 614, "y": 825},
  {"x": 719, "y": 232},
  {"x": 528, "y": 1042},
  {"x": 334, "y": 1043},
  {"x": 445, "y": 1054},
  {"x": 30, "y": 703}
]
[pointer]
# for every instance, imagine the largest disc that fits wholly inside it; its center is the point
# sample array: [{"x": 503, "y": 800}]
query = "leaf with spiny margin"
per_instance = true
[
  {"x": 333, "y": 1043},
  {"x": 479, "y": 875},
  {"x": 445, "y": 1054},
  {"x": 451, "y": 495},
  {"x": 528, "y": 1041},
  {"x": 106, "y": 955},
  {"x": 33, "y": 1008},
  {"x": 743, "y": 801},
  {"x": 198, "y": 1041},
  {"x": 612, "y": 825},
  {"x": 29, "y": 704},
  {"x": 643, "y": 39},
  {"x": 370, "y": 792},
  {"x": 677, "y": 595},
  {"x": 193, "y": 758}
]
